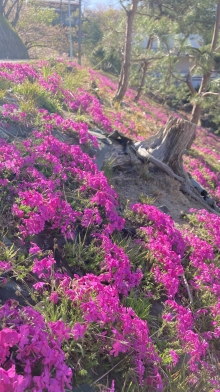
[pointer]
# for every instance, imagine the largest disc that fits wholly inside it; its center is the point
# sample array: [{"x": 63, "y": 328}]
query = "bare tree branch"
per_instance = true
[
  {"x": 190, "y": 85},
  {"x": 209, "y": 93}
]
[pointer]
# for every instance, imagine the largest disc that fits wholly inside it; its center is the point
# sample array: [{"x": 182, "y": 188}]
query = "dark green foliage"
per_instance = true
[
  {"x": 83, "y": 257},
  {"x": 99, "y": 55}
]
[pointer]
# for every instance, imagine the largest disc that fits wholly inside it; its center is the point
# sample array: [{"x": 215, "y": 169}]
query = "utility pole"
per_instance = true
[
  {"x": 70, "y": 29},
  {"x": 80, "y": 33},
  {"x": 61, "y": 12}
]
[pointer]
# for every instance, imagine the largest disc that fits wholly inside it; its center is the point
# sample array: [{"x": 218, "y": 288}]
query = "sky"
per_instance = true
[{"x": 93, "y": 3}]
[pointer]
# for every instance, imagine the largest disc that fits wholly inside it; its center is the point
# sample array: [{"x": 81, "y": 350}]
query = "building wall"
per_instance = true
[{"x": 184, "y": 64}]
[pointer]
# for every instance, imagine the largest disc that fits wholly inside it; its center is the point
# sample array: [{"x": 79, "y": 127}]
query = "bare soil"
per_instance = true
[{"x": 158, "y": 188}]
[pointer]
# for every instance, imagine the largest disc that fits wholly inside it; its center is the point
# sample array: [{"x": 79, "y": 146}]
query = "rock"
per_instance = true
[
  {"x": 113, "y": 149},
  {"x": 157, "y": 308},
  {"x": 104, "y": 147},
  {"x": 100, "y": 155},
  {"x": 216, "y": 208},
  {"x": 3, "y": 134},
  {"x": 69, "y": 69},
  {"x": 130, "y": 230},
  {"x": 207, "y": 122},
  {"x": 210, "y": 201},
  {"x": 62, "y": 137},
  {"x": 101, "y": 135},
  {"x": 124, "y": 104},
  {"x": 164, "y": 209},
  {"x": 7, "y": 242},
  {"x": 187, "y": 107},
  {"x": 13, "y": 132},
  {"x": 13, "y": 290}
]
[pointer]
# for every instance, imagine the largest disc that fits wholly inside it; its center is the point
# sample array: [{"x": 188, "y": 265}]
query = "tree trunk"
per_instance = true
[
  {"x": 197, "y": 108},
  {"x": 165, "y": 150},
  {"x": 125, "y": 69},
  {"x": 140, "y": 88},
  {"x": 144, "y": 71},
  {"x": 196, "y": 113},
  {"x": 169, "y": 144}
]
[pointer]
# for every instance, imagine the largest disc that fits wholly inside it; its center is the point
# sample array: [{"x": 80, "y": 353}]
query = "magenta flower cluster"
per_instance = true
[
  {"x": 38, "y": 196},
  {"x": 37, "y": 173},
  {"x": 28, "y": 342},
  {"x": 168, "y": 246}
]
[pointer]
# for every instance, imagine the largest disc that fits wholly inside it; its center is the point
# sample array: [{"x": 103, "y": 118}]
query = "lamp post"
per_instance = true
[
  {"x": 80, "y": 33},
  {"x": 70, "y": 29}
]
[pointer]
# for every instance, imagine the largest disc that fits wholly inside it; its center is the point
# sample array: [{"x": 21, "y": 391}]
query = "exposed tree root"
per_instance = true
[{"x": 165, "y": 150}]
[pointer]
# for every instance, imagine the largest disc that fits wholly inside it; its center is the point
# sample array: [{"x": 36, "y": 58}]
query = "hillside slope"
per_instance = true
[
  {"x": 11, "y": 46},
  {"x": 99, "y": 287}
]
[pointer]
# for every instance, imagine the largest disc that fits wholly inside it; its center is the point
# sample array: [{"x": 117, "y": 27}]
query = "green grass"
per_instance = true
[{"x": 35, "y": 96}]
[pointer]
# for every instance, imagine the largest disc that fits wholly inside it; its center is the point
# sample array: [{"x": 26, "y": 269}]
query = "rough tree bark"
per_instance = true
[
  {"x": 196, "y": 112},
  {"x": 144, "y": 71},
  {"x": 125, "y": 69},
  {"x": 177, "y": 136},
  {"x": 143, "y": 76},
  {"x": 165, "y": 150},
  {"x": 169, "y": 144}
]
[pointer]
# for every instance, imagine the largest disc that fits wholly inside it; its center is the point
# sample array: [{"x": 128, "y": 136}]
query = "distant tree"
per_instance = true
[
  {"x": 207, "y": 61},
  {"x": 10, "y": 10},
  {"x": 101, "y": 38},
  {"x": 130, "y": 11},
  {"x": 149, "y": 29},
  {"x": 183, "y": 19},
  {"x": 11, "y": 46},
  {"x": 202, "y": 18},
  {"x": 38, "y": 29}
]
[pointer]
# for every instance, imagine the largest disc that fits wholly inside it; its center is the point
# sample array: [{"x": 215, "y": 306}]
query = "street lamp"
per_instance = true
[
  {"x": 80, "y": 33},
  {"x": 70, "y": 28}
]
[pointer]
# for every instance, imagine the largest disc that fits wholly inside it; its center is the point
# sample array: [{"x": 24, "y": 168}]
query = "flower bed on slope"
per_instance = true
[{"x": 98, "y": 319}]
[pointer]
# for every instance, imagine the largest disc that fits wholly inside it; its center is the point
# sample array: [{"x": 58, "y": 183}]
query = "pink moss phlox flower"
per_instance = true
[
  {"x": 5, "y": 266},
  {"x": 39, "y": 286},
  {"x": 166, "y": 244},
  {"x": 100, "y": 304},
  {"x": 117, "y": 266},
  {"x": 60, "y": 330},
  {"x": 91, "y": 217},
  {"x": 33, "y": 341},
  {"x": 192, "y": 343},
  {"x": 78, "y": 330},
  {"x": 174, "y": 356},
  {"x": 10, "y": 381},
  {"x": 8, "y": 338},
  {"x": 211, "y": 222},
  {"x": 54, "y": 297},
  {"x": 43, "y": 267},
  {"x": 34, "y": 249}
]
